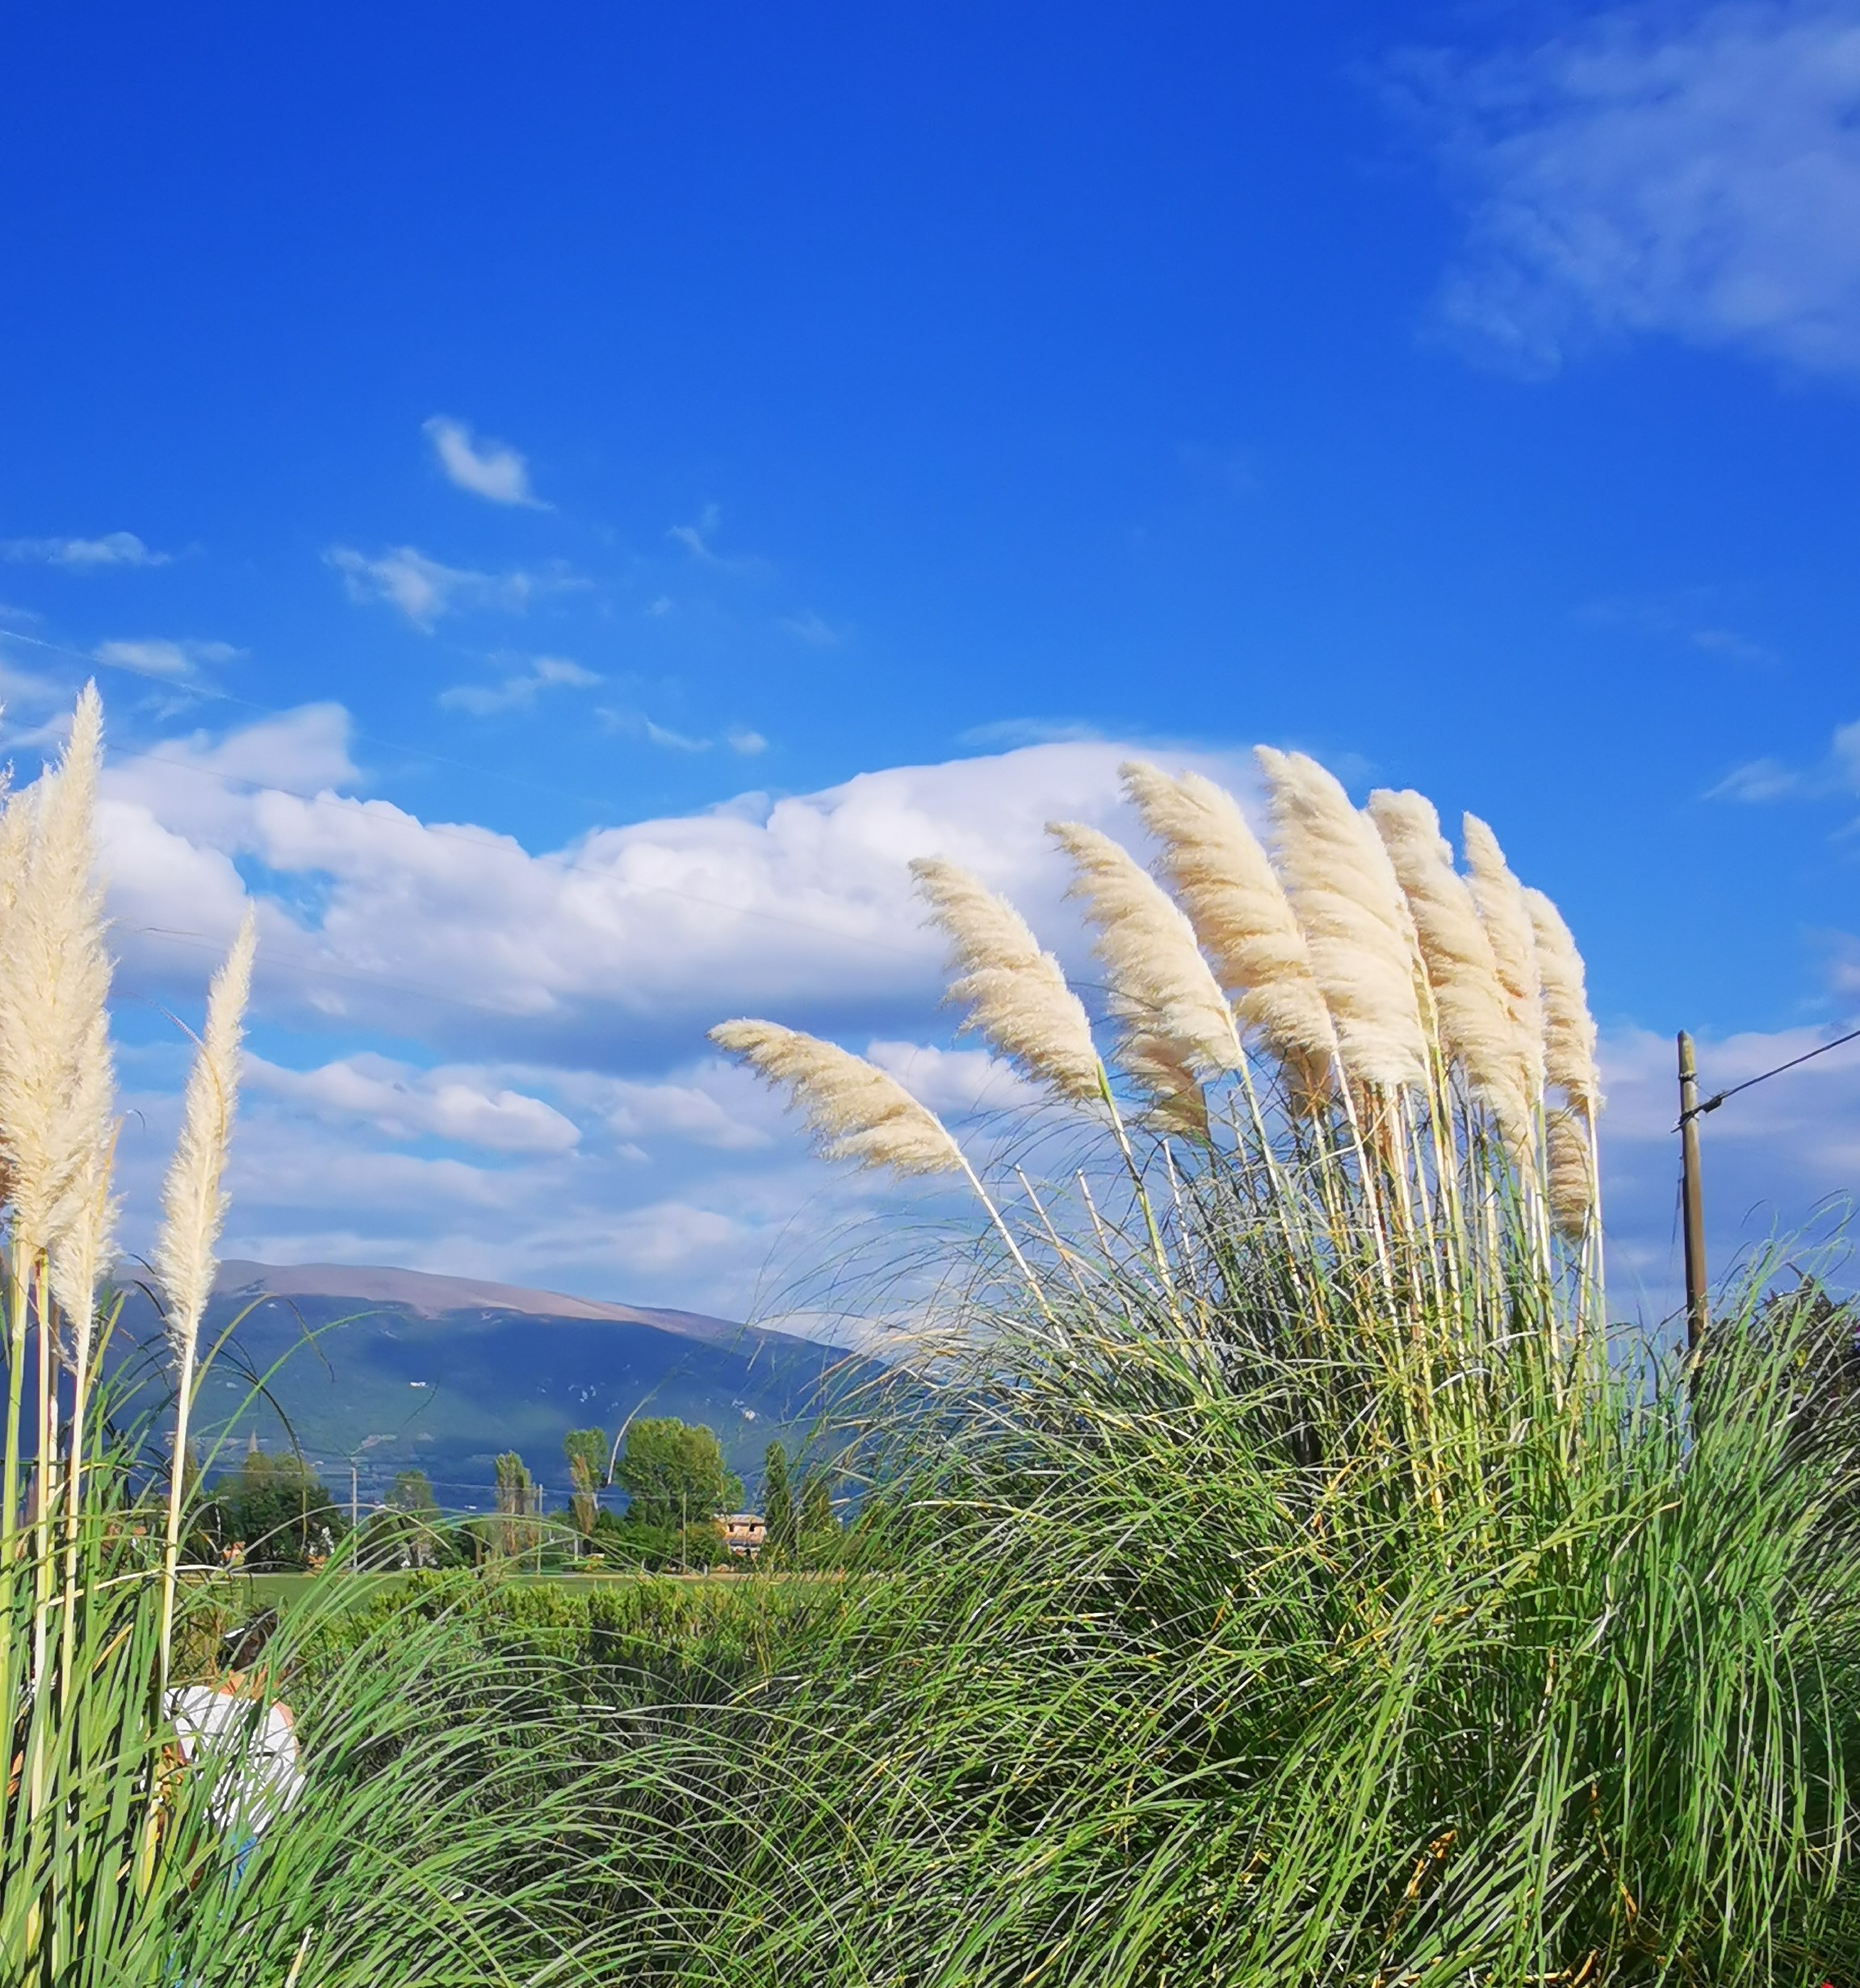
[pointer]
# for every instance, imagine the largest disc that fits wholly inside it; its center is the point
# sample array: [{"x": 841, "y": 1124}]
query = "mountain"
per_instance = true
[{"x": 380, "y": 1369}]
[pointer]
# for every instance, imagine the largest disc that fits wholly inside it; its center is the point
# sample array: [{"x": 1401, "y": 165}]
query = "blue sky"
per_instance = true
[{"x": 570, "y": 426}]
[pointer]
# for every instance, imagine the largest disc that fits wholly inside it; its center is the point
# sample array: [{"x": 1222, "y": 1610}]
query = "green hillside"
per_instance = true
[{"x": 414, "y": 1378}]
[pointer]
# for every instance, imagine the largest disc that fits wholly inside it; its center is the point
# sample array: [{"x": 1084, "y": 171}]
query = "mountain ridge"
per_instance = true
[{"x": 434, "y": 1295}]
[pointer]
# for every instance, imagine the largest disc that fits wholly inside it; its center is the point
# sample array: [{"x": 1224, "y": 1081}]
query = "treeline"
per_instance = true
[{"x": 274, "y": 1514}]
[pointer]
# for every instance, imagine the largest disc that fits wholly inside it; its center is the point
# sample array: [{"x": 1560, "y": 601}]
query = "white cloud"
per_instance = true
[
  {"x": 814, "y": 629},
  {"x": 487, "y": 469},
  {"x": 697, "y": 541},
  {"x": 556, "y": 1003},
  {"x": 674, "y": 741},
  {"x": 425, "y": 590},
  {"x": 1837, "y": 772},
  {"x": 415, "y": 926},
  {"x": 1695, "y": 173},
  {"x": 745, "y": 742},
  {"x": 517, "y": 691},
  {"x": 84, "y": 554},
  {"x": 159, "y": 657},
  {"x": 952, "y": 1080},
  {"x": 458, "y": 1104}
]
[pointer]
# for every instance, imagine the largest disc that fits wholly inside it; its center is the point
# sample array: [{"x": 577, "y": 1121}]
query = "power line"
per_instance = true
[{"x": 1712, "y": 1103}]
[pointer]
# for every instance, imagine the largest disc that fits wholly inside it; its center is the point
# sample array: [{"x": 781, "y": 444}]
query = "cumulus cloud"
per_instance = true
[
  {"x": 519, "y": 691},
  {"x": 487, "y": 469},
  {"x": 627, "y": 934},
  {"x": 83, "y": 555},
  {"x": 1693, "y": 172},
  {"x": 463, "y": 1105},
  {"x": 490, "y": 1061}
]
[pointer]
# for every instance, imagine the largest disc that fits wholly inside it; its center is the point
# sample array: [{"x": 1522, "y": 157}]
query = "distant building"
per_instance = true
[{"x": 744, "y": 1533}]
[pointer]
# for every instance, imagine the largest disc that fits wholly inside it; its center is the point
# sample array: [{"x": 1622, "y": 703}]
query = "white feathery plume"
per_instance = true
[
  {"x": 81, "y": 1251},
  {"x": 1568, "y": 1027},
  {"x": 54, "y": 984},
  {"x": 1172, "y": 1013},
  {"x": 853, "y": 1109},
  {"x": 1224, "y": 881},
  {"x": 1499, "y": 898},
  {"x": 194, "y": 1201},
  {"x": 1572, "y": 1185},
  {"x": 1153, "y": 1062},
  {"x": 1019, "y": 1002},
  {"x": 1474, "y": 1018},
  {"x": 1355, "y": 921},
  {"x": 194, "y": 1197}
]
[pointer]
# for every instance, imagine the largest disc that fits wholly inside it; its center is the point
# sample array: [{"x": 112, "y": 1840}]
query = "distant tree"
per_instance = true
[
  {"x": 519, "y": 1500},
  {"x": 277, "y": 1509},
  {"x": 778, "y": 1506},
  {"x": 817, "y": 1520},
  {"x": 674, "y": 1474},
  {"x": 630, "y": 1543},
  {"x": 586, "y": 1450},
  {"x": 412, "y": 1492}
]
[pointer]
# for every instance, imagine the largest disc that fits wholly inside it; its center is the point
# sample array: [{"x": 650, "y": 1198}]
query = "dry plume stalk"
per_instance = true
[
  {"x": 853, "y": 1109},
  {"x": 1172, "y": 1016},
  {"x": 1019, "y": 1003},
  {"x": 194, "y": 1201},
  {"x": 1226, "y": 884},
  {"x": 1568, "y": 1027},
  {"x": 1572, "y": 1181},
  {"x": 1355, "y": 921},
  {"x": 1499, "y": 898},
  {"x": 1473, "y": 1014},
  {"x": 54, "y": 1082}
]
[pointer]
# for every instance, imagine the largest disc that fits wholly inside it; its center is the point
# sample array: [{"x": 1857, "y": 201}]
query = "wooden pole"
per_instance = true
[{"x": 1692, "y": 1204}]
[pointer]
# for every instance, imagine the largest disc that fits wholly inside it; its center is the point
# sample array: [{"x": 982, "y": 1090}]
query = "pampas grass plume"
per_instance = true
[
  {"x": 1355, "y": 921},
  {"x": 1572, "y": 1175},
  {"x": 54, "y": 985},
  {"x": 1161, "y": 987},
  {"x": 855, "y": 1111},
  {"x": 1019, "y": 1002},
  {"x": 194, "y": 1197},
  {"x": 1474, "y": 1017},
  {"x": 1225, "y": 883},
  {"x": 1568, "y": 1027},
  {"x": 1499, "y": 898}
]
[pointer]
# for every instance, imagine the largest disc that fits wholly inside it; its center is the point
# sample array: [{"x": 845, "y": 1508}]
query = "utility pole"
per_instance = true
[
  {"x": 1692, "y": 1205},
  {"x": 355, "y": 1502}
]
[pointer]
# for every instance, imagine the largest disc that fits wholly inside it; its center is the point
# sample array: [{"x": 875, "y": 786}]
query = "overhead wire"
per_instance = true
[{"x": 1718, "y": 1098}]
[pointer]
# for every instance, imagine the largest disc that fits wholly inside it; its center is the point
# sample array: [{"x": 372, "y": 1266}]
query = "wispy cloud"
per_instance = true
[
  {"x": 1836, "y": 772},
  {"x": 519, "y": 690},
  {"x": 697, "y": 539},
  {"x": 1004, "y": 734},
  {"x": 740, "y": 738},
  {"x": 158, "y": 657},
  {"x": 487, "y": 469},
  {"x": 814, "y": 630},
  {"x": 425, "y": 590},
  {"x": 83, "y": 555},
  {"x": 1692, "y": 617},
  {"x": 1690, "y": 172}
]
